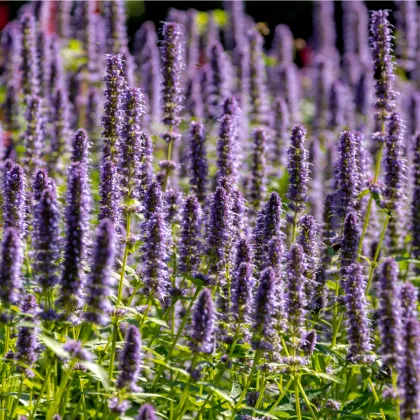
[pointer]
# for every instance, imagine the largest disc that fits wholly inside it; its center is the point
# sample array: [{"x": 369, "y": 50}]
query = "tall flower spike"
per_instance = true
[
  {"x": 130, "y": 359},
  {"x": 47, "y": 244},
  {"x": 131, "y": 146},
  {"x": 406, "y": 17},
  {"x": 346, "y": 175},
  {"x": 171, "y": 51},
  {"x": 190, "y": 244},
  {"x": 11, "y": 108},
  {"x": 296, "y": 300},
  {"x": 14, "y": 198},
  {"x": 203, "y": 324},
  {"x": 283, "y": 44},
  {"x": 264, "y": 333},
  {"x": 44, "y": 60},
  {"x": 198, "y": 160},
  {"x": 409, "y": 301},
  {"x": 219, "y": 233},
  {"x": 109, "y": 205},
  {"x": 258, "y": 168},
  {"x": 155, "y": 257},
  {"x": 29, "y": 66},
  {"x": 227, "y": 149},
  {"x": 350, "y": 240},
  {"x": 100, "y": 279},
  {"x": 10, "y": 266},
  {"x": 381, "y": 49},
  {"x": 322, "y": 88},
  {"x": 358, "y": 331},
  {"x": 113, "y": 114},
  {"x": 324, "y": 25},
  {"x": 258, "y": 80},
  {"x": 395, "y": 165},
  {"x": 337, "y": 104},
  {"x": 76, "y": 232},
  {"x": 409, "y": 375},
  {"x": 281, "y": 129},
  {"x": 80, "y": 147},
  {"x": 389, "y": 321},
  {"x": 33, "y": 135},
  {"x": 41, "y": 182},
  {"x": 153, "y": 201},
  {"x": 298, "y": 168},
  {"x": 116, "y": 37},
  {"x": 146, "y": 168},
  {"x": 146, "y": 412}
]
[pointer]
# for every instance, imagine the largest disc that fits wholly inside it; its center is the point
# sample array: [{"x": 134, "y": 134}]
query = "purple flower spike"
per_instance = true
[
  {"x": 409, "y": 301},
  {"x": 281, "y": 127},
  {"x": 33, "y": 135},
  {"x": 358, "y": 331},
  {"x": 406, "y": 26},
  {"x": 227, "y": 149},
  {"x": 116, "y": 37},
  {"x": 296, "y": 299},
  {"x": 110, "y": 195},
  {"x": 146, "y": 412},
  {"x": 298, "y": 168},
  {"x": 203, "y": 324},
  {"x": 324, "y": 25},
  {"x": 10, "y": 267},
  {"x": 350, "y": 240},
  {"x": 395, "y": 165},
  {"x": 80, "y": 147},
  {"x": 47, "y": 244},
  {"x": 264, "y": 320},
  {"x": 146, "y": 168},
  {"x": 389, "y": 322},
  {"x": 190, "y": 246},
  {"x": 100, "y": 280},
  {"x": 308, "y": 343},
  {"x": 381, "y": 49},
  {"x": 283, "y": 48},
  {"x": 41, "y": 182},
  {"x": 155, "y": 256},
  {"x": 130, "y": 359},
  {"x": 76, "y": 238},
  {"x": 198, "y": 160},
  {"x": 258, "y": 168},
  {"x": 153, "y": 201},
  {"x": 14, "y": 198},
  {"x": 112, "y": 119},
  {"x": 171, "y": 52},
  {"x": 29, "y": 66},
  {"x": 11, "y": 108},
  {"x": 409, "y": 374}
]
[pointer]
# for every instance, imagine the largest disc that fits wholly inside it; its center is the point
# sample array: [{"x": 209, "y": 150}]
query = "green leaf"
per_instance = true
[
  {"x": 157, "y": 321},
  {"x": 322, "y": 375},
  {"x": 220, "y": 392},
  {"x": 141, "y": 396},
  {"x": 173, "y": 368},
  {"x": 99, "y": 372},
  {"x": 55, "y": 346}
]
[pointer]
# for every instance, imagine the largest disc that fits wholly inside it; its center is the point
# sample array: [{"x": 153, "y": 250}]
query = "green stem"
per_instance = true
[
  {"x": 60, "y": 392},
  {"x": 375, "y": 395},
  {"x": 16, "y": 403},
  {"x": 168, "y": 157},
  {"x": 187, "y": 389},
  {"x": 297, "y": 400},
  {"x": 126, "y": 250},
  {"x": 394, "y": 377},
  {"x": 146, "y": 312},
  {"x": 281, "y": 395},
  {"x": 113, "y": 349},
  {"x": 307, "y": 402},
  {"x": 348, "y": 386}
]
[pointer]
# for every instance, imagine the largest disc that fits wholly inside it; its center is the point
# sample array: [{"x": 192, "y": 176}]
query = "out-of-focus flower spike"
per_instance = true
[
  {"x": 409, "y": 301},
  {"x": 80, "y": 147},
  {"x": 227, "y": 148},
  {"x": 29, "y": 65},
  {"x": 146, "y": 412},
  {"x": 146, "y": 168},
  {"x": 406, "y": 26},
  {"x": 281, "y": 129},
  {"x": 258, "y": 168},
  {"x": 324, "y": 25},
  {"x": 116, "y": 36}
]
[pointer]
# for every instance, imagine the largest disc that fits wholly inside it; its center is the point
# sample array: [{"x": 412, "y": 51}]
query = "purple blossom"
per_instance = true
[
  {"x": 308, "y": 343},
  {"x": 118, "y": 406},
  {"x": 198, "y": 160},
  {"x": 298, "y": 168},
  {"x": 146, "y": 412},
  {"x": 10, "y": 267},
  {"x": 283, "y": 48},
  {"x": 100, "y": 280},
  {"x": 258, "y": 168},
  {"x": 406, "y": 17},
  {"x": 203, "y": 324},
  {"x": 116, "y": 38},
  {"x": 109, "y": 192},
  {"x": 61, "y": 126},
  {"x": 80, "y": 147},
  {"x": 281, "y": 129},
  {"x": 33, "y": 135},
  {"x": 409, "y": 301},
  {"x": 11, "y": 108},
  {"x": 146, "y": 168},
  {"x": 153, "y": 201},
  {"x": 349, "y": 240},
  {"x": 130, "y": 359},
  {"x": 76, "y": 351},
  {"x": 29, "y": 65},
  {"x": 358, "y": 331},
  {"x": 227, "y": 149},
  {"x": 324, "y": 25}
]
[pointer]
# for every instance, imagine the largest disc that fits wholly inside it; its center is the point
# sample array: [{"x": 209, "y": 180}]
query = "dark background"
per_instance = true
[{"x": 297, "y": 14}]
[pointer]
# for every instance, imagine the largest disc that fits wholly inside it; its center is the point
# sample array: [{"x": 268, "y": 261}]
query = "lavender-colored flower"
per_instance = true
[
  {"x": 320, "y": 297},
  {"x": 349, "y": 240},
  {"x": 171, "y": 52},
  {"x": 337, "y": 104},
  {"x": 153, "y": 201},
  {"x": 219, "y": 233},
  {"x": 33, "y": 135},
  {"x": 219, "y": 80},
  {"x": 283, "y": 48},
  {"x": 241, "y": 61},
  {"x": 61, "y": 129},
  {"x": 76, "y": 351},
  {"x": 80, "y": 147},
  {"x": 203, "y": 324},
  {"x": 346, "y": 175},
  {"x": 363, "y": 94},
  {"x": 308, "y": 343},
  {"x": 29, "y": 65},
  {"x": 190, "y": 245},
  {"x": 40, "y": 182},
  {"x": 258, "y": 168},
  {"x": 264, "y": 320},
  {"x": 406, "y": 17},
  {"x": 155, "y": 256},
  {"x": 131, "y": 145},
  {"x": 243, "y": 254},
  {"x": 394, "y": 162},
  {"x": 116, "y": 36},
  {"x": 93, "y": 116},
  {"x": 130, "y": 359},
  {"x": 289, "y": 87},
  {"x": 110, "y": 194},
  {"x": 76, "y": 237},
  {"x": 195, "y": 105},
  {"x": 324, "y": 25},
  {"x": 298, "y": 168},
  {"x": 63, "y": 19},
  {"x": 389, "y": 321},
  {"x": 381, "y": 49},
  {"x": 47, "y": 243},
  {"x": 296, "y": 299},
  {"x": 117, "y": 406},
  {"x": 409, "y": 301},
  {"x": 146, "y": 412},
  {"x": 57, "y": 73},
  {"x": 323, "y": 81},
  {"x": 14, "y": 198},
  {"x": 242, "y": 287},
  {"x": 258, "y": 80},
  {"x": 409, "y": 375},
  {"x": 238, "y": 209},
  {"x": 227, "y": 149},
  {"x": 198, "y": 160},
  {"x": 113, "y": 114},
  {"x": 11, "y": 108},
  {"x": 281, "y": 129},
  {"x": 10, "y": 267},
  {"x": 27, "y": 346},
  {"x": 100, "y": 280},
  {"x": 173, "y": 202},
  {"x": 358, "y": 331},
  {"x": 146, "y": 168},
  {"x": 44, "y": 62},
  {"x": 11, "y": 48}
]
